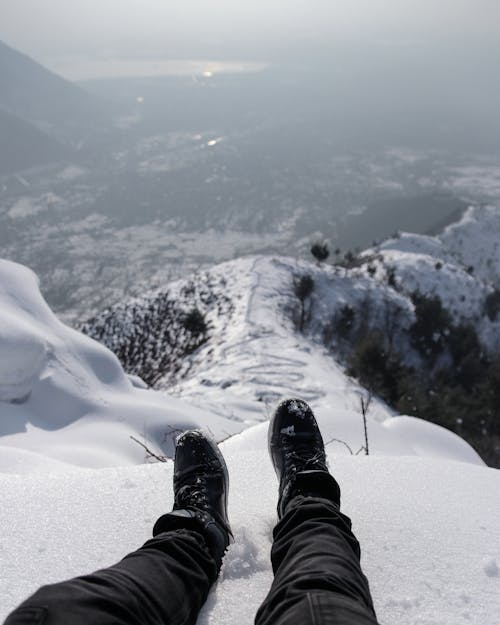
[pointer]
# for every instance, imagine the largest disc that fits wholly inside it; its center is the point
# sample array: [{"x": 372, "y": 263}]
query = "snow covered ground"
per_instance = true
[
  {"x": 461, "y": 266},
  {"x": 77, "y": 492},
  {"x": 67, "y": 397},
  {"x": 429, "y": 530}
]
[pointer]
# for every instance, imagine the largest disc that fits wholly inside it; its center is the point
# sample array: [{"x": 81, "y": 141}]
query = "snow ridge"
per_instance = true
[{"x": 424, "y": 506}]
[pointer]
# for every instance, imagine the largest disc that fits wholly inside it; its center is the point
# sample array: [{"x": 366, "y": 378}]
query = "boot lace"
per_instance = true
[
  {"x": 193, "y": 495},
  {"x": 298, "y": 450}
]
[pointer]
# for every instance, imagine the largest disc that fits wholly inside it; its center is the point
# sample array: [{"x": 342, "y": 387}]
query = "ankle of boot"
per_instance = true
[
  {"x": 314, "y": 484},
  {"x": 215, "y": 535}
]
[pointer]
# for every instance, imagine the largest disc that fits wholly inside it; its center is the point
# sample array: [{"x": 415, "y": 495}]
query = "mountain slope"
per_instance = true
[
  {"x": 461, "y": 266},
  {"x": 60, "y": 391},
  {"x": 35, "y": 94},
  {"x": 424, "y": 506},
  {"x": 251, "y": 351},
  {"x": 24, "y": 146}
]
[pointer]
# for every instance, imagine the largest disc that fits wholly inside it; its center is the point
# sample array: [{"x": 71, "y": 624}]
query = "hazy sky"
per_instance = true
[{"x": 259, "y": 29}]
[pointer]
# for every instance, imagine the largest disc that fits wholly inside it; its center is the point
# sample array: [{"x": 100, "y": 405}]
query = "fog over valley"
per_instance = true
[{"x": 140, "y": 143}]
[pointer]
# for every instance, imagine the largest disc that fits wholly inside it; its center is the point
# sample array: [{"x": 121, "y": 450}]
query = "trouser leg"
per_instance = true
[
  {"x": 318, "y": 577},
  {"x": 165, "y": 582}
]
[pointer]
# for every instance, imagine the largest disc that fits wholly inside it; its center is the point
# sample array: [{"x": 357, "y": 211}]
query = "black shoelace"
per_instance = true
[
  {"x": 193, "y": 495},
  {"x": 298, "y": 448}
]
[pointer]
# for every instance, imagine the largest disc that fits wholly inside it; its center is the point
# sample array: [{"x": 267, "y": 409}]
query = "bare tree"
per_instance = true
[
  {"x": 391, "y": 321},
  {"x": 303, "y": 287},
  {"x": 365, "y": 402}
]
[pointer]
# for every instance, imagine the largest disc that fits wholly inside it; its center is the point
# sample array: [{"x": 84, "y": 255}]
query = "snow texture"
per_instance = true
[
  {"x": 66, "y": 396},
  {"x": 461, "y": 266},
  {"x": 77, "y": 494},
  {"x": 429, "y": 530}
]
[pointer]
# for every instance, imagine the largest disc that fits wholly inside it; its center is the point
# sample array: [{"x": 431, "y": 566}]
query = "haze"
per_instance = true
[
  {"x": 200, "y": 131},
  {"x": 267, "y": 30}
]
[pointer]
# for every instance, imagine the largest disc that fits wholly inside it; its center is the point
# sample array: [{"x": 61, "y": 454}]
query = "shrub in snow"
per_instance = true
[
  {"x": 303, "y": 287},
  {"x": 462, "y": 341},
  {"x": 344, "y": 321},
  {"x": 320, "y": 251},
  {"x": 376, "y": 368},
  {"x": 194, "y": 322},
  {"x": 432, "y": 323},
  {"x": 432, "y": 368},
  {"x": 153, "y": 336},
  {"x": 492, "y": 305},
  {"x": 391, "y": 277}
]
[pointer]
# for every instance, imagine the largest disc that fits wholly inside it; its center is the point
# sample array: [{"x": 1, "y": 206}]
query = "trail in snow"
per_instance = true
[
  {"x": 81, "y": 408},
  {"x": 428, "y": 524},
  {"x": 263, "y": 360}
]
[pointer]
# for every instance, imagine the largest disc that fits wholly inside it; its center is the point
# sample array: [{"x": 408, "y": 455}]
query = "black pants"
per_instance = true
[{"x": 315, "y": 557}]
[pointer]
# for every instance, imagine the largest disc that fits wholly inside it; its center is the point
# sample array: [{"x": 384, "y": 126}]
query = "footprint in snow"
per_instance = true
[{"x": 490, "y": 567}]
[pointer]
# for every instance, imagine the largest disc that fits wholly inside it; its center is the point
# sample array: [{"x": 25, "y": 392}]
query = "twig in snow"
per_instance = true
[
  {"x": 337, "y": 440},
  {"x": 148, "y": 451},
  {"x": 173, "y": 433}
]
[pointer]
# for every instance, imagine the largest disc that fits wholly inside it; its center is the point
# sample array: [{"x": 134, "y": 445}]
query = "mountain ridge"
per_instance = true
[
  {"x": 54, "y": 105},
  {"x": 378, "y": 288},
  {"x": 68, "y": 412}
]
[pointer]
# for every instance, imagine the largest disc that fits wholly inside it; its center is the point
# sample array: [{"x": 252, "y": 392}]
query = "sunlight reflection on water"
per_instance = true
[
  {"x": 74, "y": 69},
  {"x": 213, "y": 142}
]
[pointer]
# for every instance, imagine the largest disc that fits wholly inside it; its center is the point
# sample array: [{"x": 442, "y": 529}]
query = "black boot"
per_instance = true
[
  {"x": 298, "y": 455},
  {"x": 201, "y": 484}
]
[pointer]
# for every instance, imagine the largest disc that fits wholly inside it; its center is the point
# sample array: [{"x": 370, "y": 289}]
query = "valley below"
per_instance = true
[{"x": 99, "y": 229}]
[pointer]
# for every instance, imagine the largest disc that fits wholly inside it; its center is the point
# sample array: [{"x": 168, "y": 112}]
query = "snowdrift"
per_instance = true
[
  {"x": 429, "y": 530},
  {"x": 77, "y": 495},
  {"x": 66, "y": 396}
]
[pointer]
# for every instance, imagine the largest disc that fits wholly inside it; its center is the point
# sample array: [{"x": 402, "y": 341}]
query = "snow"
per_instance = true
[
  {"x": 461, "y": 266},
  {"x": 480, "y": 180},
  {"x": 77, "y": 494},
  {"x": 66, "y": 396},
  {"x": 72, "y": 402},
  {"x": 71, "y": 172},
  {"x": 491, "y": 568},
  {"x": 23, "y": 357},
  {"x": 429, "y": 530},
  {"x": 26, "y": 207}
]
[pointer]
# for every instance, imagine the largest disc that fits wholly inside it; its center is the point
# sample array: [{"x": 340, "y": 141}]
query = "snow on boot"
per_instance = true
[
  {"x": 201, "y": 485},
  {"x": 298, "y": 455}
]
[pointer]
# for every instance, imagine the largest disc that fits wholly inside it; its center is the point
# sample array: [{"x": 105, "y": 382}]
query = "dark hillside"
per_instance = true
[
  {"x": 54, "y": 104},
  {"x": 22, "y": 145}
]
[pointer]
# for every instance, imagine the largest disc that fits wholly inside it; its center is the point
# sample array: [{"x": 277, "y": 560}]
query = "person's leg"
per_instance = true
[
  {"x": 315, "y": 555},
  {"x": 166, "y": 581}
]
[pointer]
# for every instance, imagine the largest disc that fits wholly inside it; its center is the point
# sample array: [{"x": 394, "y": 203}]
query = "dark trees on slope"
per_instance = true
[
  {"x": 456, "y": 384},
  {"x": 154, "y": 337},
  {"x": 320, "y": 251},
  {"x": 303, "y": 287}
]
